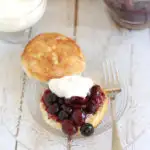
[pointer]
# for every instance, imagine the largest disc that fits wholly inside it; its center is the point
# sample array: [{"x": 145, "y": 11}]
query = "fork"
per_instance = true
[{"x": 111, "y": 83}]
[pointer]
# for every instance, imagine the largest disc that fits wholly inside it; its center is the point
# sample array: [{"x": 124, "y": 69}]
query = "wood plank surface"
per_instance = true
[
  {"x": 88, "y": 22},
  {"x": 10, "y": 93},
  {"x": 59, "y": 17}
]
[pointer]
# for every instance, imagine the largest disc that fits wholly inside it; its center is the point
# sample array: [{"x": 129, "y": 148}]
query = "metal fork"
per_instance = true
[{"x": 112, "y": 85}]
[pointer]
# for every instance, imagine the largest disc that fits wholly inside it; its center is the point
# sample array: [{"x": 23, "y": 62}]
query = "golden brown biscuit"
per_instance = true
[{"x": 52, "y": 55}]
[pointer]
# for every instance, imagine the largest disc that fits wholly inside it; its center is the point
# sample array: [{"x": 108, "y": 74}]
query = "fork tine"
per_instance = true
[
  {"x": 105, "y": 74},
  {"x": 114, "y": 73},
  {"x": 109, "y": 72},
  {"x": 117, "y": 74},
  {"x": 111, "y": 77}
]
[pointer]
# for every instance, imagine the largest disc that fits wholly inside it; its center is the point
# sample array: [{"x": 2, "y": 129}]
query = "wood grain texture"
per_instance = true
[
  {"x": 10, "y": 91},
  {"x": 59, "y": 17},
  {"x": 95, "y": 31},
  {"x": 99, "y": 38}
]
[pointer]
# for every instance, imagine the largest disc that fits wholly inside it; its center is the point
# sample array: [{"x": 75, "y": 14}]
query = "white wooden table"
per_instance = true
[{"x": 87, "y": 21}]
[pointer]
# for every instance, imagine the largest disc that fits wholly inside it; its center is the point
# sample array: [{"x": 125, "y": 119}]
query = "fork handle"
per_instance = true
[{"x": 116, "y": 143}]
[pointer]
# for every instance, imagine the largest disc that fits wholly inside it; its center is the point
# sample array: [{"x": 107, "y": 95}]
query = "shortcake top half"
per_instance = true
[{"x": 52, "y": 55}]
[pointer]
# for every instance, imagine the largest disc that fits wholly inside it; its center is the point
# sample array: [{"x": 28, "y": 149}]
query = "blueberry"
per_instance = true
[
  {"x": 62, "y": 115},
  {"x": 46, "y": 99},
  {"x": 61, "y": 101},
  {"x": 53, "y": 98},
  {"x": 87, "y": 129},
  {"x": 53, "y": 109},
  {"x": 49, "y": 99},
  {"x": 67, "y": 109}
]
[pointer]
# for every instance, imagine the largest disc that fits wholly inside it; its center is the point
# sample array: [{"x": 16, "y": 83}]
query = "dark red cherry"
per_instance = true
[
  {"x": 91, "y": 108},
  {"x": 78, "y": 106},
  {"x": 96, "y": 99},
  {"x": 78, "y": 100},
  {"x": 53, "y": 109},
  {"x": 47, "y": 91},
  {"x": 102, "y": 95},
  {"x": 95, "y": 90},
  {"x": 68, "y": 127},
  {"x": 62, "y": 115},
  {"x": 46, "y": 99},
  {"x": 78, "y": 117}
]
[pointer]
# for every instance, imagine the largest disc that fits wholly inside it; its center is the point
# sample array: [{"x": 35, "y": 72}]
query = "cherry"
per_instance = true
[
  {"x": 53, "y": 109},
  {"x": 62, "y": 115},
  {"x": 78, "y": 106},
  {"x": 96, "y": 99},
  {"x": 78, "y": 100},
  {"x": 102, "y": 95},
  {"x": 67, "y": 109},
  {"x": 68, "y": 127},
  {"x": 96, "y": 90},
  {"x": 47, "y": 91},
  {"x": 46, "y": 99},
  {"x": 91, "y": 108},
  {"x": 78, "y": 117},
  {"x": 87, "y": 129}
]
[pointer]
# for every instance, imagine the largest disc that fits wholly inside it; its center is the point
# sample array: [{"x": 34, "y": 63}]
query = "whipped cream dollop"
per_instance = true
[{"x": 69, "y": 86}]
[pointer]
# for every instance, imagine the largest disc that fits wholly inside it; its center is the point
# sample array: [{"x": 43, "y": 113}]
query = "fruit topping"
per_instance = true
[
  {"x": 53, "y": 109},
  {"x": 68, "y": 127},
  {"x": 61, "y": 101},
  {"x": 67, "y": 109},
  {"x": 78, "y": 117},
  {"x": 62, "y": 115},
  {"x": 96, "y": 99},
  {"x": 78, "y": 106},
  {"x": 49, "y": 98},
  {"x": 53, "y": 98},
  {"x": 96, "y": 90},
  {"x": 46, "y": 98},
  {"x": 67, "y": 101},
  {"x": 72, "y": 112},
  {"x": 91, "y": 108},
  {"x": 87, "y": 129},
  {"x": 47, "y": 91},
  {"x": 78, "y": 100}
]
